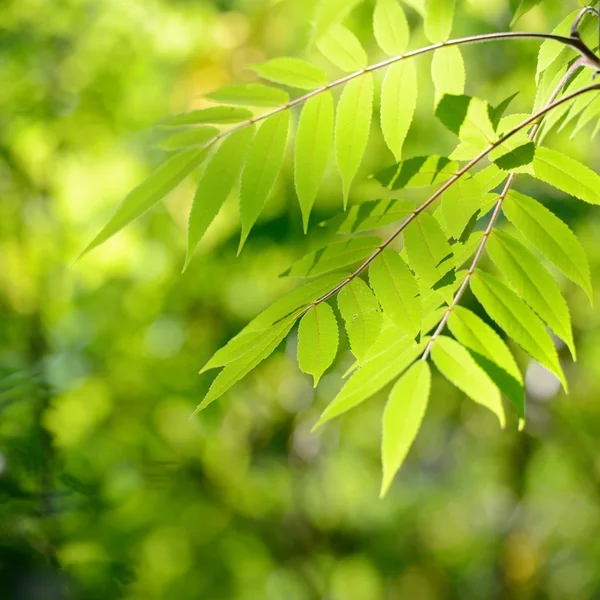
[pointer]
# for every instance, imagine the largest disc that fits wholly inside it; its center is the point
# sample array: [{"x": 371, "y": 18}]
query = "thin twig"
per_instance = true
[
  {"x": 497, "y": 209},
  {"x": 444, "y": 187},
  {"x": 573, "y": 42},
  {"x": 577, "y": 22}
]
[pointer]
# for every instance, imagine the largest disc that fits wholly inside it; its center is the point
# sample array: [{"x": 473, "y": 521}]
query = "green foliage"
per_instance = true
[{"x": 414, "y": 286}]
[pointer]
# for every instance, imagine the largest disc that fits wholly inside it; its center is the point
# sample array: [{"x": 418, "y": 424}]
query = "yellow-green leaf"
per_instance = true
[
  {"x": 448, "y": 72},
  {"x": 417, "y": 172},
  {"x": 402, "y": 419},
  {"x": 215, "y": 115},
  {"x": 342, "y": 48},
  {"x": 439, "y": 15},
  {"x": 371, "y": 215},
  {"x": 331, "y": 12},
  {"x": 250, "y": 94},
  {"x": 390, "y": 27},
  {"x": 192, "y": 138},
  {"x": 293, "y": 72}
]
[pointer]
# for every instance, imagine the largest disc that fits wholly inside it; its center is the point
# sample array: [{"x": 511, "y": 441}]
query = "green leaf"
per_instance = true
[
  {"x": 518, "y": 320},
  {"x": 362, "y": 316},
  {"x": 342, "y": 48},
  {"x": 293, "y": 72},
  {"x": 217, "y": 181},
  {"x": 550, "y": 236},
  {"x": 193, "y": 138},
  {"x": 551, "y": 50},
  {"x": 497, "y": 112},
  {"x": 318, "y": 338},
  {"x": 459, "y": 367},
  {"x": 331, "y": 12},
  {"x": 591, "y": 113},
  {"x": 521, "y": 7},
  {"x": 519, "y": 157},
  {"x": 489, "y": 351},
  {"x": 438, "y": 20},
  {"x": 402, "y": 419},
  {"x": 476, "y": 132},
  {"x": 250, "y": 94},
  {"x": 448, "y": 72},
  {"x": 352, "y": 126},
  {"x": 215, "y": 115},
  {"x": 371, "y": 215},
  {"x": 333, "y": 256},
  {"x": 416, "y": 172},
  {"x": 533, "y": 283},
  {"x": 429, "y": 253},
  {"x": 373, "y": 376},
  {"x": 390, "y": 27},
  {"x": 460, "y": 202},
  {"x": 263, "y": 164},
  {"x": 166, "y": 177},
  {"x": 235, "y": 370},
  {"x": 300, "y": 298},
  {"x": 313, "y": 142},
  {"x": 567, "y": 175},
  {"x": 397, "y": 291},
  {"x": 399, "y": 93}
]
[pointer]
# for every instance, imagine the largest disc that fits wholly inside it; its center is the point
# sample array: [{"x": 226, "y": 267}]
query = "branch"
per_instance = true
[
  {"x": 497, "y": 209},
  {"x": 443, "y": 188},
  {"x": 573, "y": 42}
]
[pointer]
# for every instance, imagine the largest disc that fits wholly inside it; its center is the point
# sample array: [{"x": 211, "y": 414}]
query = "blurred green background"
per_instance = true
[{"x": 107, "y": 488}]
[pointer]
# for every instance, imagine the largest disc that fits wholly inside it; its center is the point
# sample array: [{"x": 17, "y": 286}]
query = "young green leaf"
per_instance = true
[
  {"x": 497, "y": 112},
  {"x": 263, "y": 164},
  {"x": 193, "y": 138},
  {"x": 334, "y": 256},
  {"x": 397, "y": 291},
  {"x": 515, "y": 159},
  {"x": 439, "y": 15},
  {"x": 373, "y": 376},
  {"x": 533, "y": 283},
  {"x": 518, "y": 320},
  {"x": 489, "y": 351},
  {"x": 352, "y": 126},
  {"x": 416, "y": 172},
  {"x": 313, "y": 142},
  {"x": 550, "y": 236},
  {"x": 459, "y": 367},
  {"x": 371, "y": 215},
  {"x": 217, "y": 181},
  {"x": 476, "y": 131},
  {"x": 331, "y": 12},
  {"x": 459, "y": 204},
  {"x": 448, "y": 72},
  {"x": 398, "y": 104},
  {"x": 318, "y": 338},
  {"x": 549, "y": 49},
  {"x": 250, "y": 94},
  {"x": 390, "y": 27},
  {"x": 591, "y": 113},
  {"x": 402, "y": 419},
  {"x": 215, "y": 115},
  {"x": 342, "y": 48},
  {"x": 362, "y": 316},
  {"x": 429, "y": 253},
  {"x": 235, "y": 370},
  {"x": 155, "y": 187},
  {"x": 567, "y": 175},
  {"x": 293, "y": 72}
]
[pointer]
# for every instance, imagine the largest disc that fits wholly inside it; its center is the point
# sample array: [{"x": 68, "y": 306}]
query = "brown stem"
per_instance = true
[
  {"x": 445, "y": 187},
  {"x": 497, "y": 209}
]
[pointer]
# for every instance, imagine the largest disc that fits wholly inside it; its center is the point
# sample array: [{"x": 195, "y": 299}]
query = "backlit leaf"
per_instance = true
[
  {"x": 342, "y": 48},
  {"x": 250, "y": 94},
  {"x": 193, "y": 138},
  {"x": 330, "y": 13},
  {"x": 397, "y": 291},
  {"x": 371, "y": 215},
  {"x": 352, "y": 126},
  {"x": 448, "y": 72},
  {"x": 215, "y": 115},
  {"x": 362, "y": 316},
  {"x": 293, "y": 72},
  {"x": 402, "y": 419},
  {"x": 550, "y": 236},
  {"x": 313, "y": 142},
  {"x": 439, "y": 15},
  {"x": 519, "y": 157},
  {"x": 459, "y": 367},
  {"x": 521, "y": 7},
  {"x": 518, "y": 320},
  {"x": 216, "y": 183},
  {"x": 263, "y": 164},
  {"x": 398, "y": 104},
  {"x": 416, "y": 172},
  {"x": 551, "y": 50},
  {"x": 318, "y": 338},
  {"x": 390, "y": 27}
]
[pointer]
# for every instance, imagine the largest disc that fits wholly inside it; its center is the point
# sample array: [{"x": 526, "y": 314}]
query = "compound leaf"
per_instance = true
[{"x": 293, "y": 72}]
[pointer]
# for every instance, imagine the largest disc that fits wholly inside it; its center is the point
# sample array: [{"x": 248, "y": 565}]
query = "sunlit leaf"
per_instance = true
[
  {"x": 522, "y": 7},
  {"x": 352, "y": 126},
  {"x": 193, "y": 138},
  {"x": 390, "y": 27},
  {"x": 314, "y": 139},
  {"x": 362, "y": 316},
  {"x": 218, "y": 179},
  {"x": 402, "y": 419},
  {"x": 371, "y": 215},
  {"x": 397, "y": 291},
  {"x": 439, "y": 15},
  {"x": 550, "y": 236},
  {"x": 518, "y": 320},
  {"x": 215, "y": 115},
  {"x": 448, "y": 72},
  {"x": 519, "y": 157},
  {"x": 416, "y": 172},
  {"x": 250, "y": 94},
  {"x": 293, "y": 72},
  {"x": 263, "y": 164},
  {"x": 551, "y": 50},
  {"x": 318, "y": 338},
  {"x": 342, "y": 48},
  {"x": 330, "y": 13}
]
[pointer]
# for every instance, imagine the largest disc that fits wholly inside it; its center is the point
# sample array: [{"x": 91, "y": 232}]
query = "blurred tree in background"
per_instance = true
[{"x": 107, "y": 488}]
